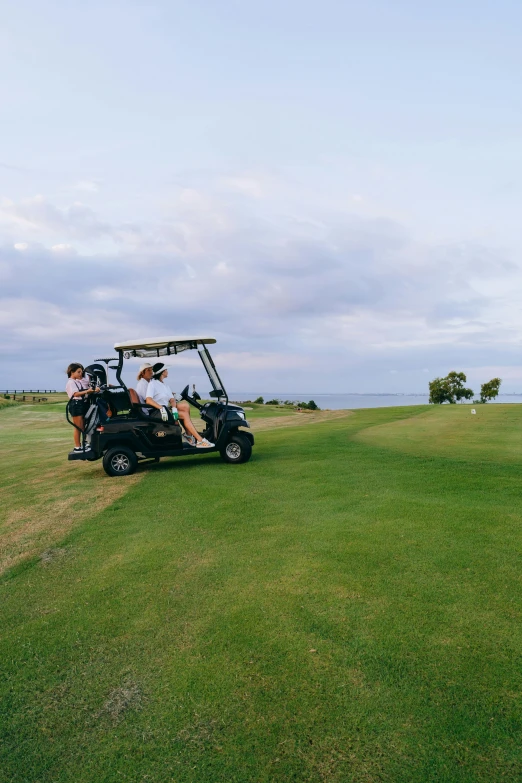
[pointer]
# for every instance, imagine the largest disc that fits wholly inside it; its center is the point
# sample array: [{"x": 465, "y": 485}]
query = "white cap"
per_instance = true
[{"x": 144, "y": 366}]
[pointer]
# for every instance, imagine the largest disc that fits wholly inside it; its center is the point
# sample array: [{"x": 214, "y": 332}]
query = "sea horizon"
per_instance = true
[{"x": 349, "y": 400}]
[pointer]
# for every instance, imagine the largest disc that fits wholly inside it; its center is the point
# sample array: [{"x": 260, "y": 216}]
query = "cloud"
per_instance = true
[
  {"x": 10, "y": 167},
  {"x": 62, "y": 247},
  {"x": 285, "y": 293},
  {"x": 26, "y": 321},
  {"x": 249, "y": 186},
  {"x": 38, "y": 218},
  {"x": 261, "y": 361},
  {"x": 87, "y": 186}
]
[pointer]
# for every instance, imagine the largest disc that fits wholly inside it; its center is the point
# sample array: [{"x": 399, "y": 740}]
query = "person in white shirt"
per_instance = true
[
  {"x": 144, "y": 377},
  {"x": 160, "y": 397}
]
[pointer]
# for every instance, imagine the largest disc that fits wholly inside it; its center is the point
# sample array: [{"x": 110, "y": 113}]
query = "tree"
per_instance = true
[
  {"x": 272, "y": 402},
  {"x": 449, "y": 389},
  {"x": 457, "y": 381},
  {"x": 312, "y": 406},
  {"x": 489, "y": 390},
  {"x": 439, "y": 391},
  {"x": 259, "y": 401}
]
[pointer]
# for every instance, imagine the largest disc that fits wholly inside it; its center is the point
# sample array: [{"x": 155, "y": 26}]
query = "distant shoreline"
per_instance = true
[
  {"x": 295, "y": 395},
  {"x": 351, "y": 400}
]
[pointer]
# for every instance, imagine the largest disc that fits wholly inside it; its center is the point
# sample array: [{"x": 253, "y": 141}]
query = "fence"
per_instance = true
[
  {"x": 27, "y": 395},
  {"x": 28, "y": 391}
]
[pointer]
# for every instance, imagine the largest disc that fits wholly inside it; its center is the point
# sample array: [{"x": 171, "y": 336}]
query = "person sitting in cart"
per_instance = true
[
  {"x": 144, "y": 377},
  {"x": 160, "y": 397}
]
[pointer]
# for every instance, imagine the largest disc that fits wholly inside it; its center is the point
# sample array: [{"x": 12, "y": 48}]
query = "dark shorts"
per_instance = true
[{"x": 77, "y": 406}]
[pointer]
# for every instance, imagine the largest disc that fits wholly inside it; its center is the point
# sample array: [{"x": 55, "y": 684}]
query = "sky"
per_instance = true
[{"x": 330, "y": 189}]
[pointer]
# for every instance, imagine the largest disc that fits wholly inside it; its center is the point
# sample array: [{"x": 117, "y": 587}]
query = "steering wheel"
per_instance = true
[{"x": 192, "y": 400}]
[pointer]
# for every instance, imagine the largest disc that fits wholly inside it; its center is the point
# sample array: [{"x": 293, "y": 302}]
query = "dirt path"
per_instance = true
[{"x": 297, "y": 419}]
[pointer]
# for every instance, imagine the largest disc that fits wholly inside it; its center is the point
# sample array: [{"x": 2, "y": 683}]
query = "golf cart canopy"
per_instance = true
[{"x": 161, "y": 346}]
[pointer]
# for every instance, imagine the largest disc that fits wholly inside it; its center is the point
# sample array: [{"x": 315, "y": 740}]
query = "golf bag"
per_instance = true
[
  {"x": 97, "y": 375},
  {"x": 95, "y": 415}
]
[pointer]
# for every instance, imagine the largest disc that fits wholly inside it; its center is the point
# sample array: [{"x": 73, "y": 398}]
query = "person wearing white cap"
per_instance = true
[
  {"x": 144, "y": 377},
  {"x": 160, "y": 396}
]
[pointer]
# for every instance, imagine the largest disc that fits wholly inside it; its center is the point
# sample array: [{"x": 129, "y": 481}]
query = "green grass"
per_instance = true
[
  {"x": 492, "y": 433},
  {"x": 344, "y": 607},
  {"x": 263, "y": 411},
  {"x": 7, "y": 403}
]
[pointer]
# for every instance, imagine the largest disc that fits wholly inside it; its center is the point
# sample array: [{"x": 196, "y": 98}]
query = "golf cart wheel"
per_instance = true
[
  {"x": 120, "y": 461},
  {"x": 237, "y": 449}
]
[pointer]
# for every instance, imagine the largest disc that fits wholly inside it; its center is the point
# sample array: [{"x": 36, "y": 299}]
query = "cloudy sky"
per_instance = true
[{"x": 332, "y": 189}]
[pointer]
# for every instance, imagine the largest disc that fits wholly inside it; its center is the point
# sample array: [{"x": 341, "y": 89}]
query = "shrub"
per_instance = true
[
  {"x": 308, "y": 406},
  {"x": 272, "y": 402},
  {"x": 259, "y": 401}
]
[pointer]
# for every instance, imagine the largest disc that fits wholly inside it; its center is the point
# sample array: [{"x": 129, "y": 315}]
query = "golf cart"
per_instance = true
[{"x": 119, "y": 429}]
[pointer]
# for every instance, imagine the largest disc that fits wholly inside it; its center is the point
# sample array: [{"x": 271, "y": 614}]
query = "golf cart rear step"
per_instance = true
[{"x": 82, "y": 455}]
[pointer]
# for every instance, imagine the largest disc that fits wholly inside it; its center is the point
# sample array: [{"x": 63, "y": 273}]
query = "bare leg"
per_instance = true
[
  {"x": 183, "y": 406},
  {"x": 78, "y": 420},
  {"x": 184, "y": 416}
]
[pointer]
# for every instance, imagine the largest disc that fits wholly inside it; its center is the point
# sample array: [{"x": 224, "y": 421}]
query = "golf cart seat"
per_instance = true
[
  {"x": 136, "y": 405},
  {"x": 117, "y": 400}
]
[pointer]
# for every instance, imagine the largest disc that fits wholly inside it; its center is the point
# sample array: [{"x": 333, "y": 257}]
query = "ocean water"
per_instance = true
[{"x": 338, "y": 401}]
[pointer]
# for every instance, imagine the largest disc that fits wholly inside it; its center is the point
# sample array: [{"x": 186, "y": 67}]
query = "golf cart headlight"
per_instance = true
[{"x": 241, "y": 415}]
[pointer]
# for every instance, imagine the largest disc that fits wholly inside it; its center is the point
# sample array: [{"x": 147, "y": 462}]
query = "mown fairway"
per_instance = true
[{"x": 345, "y": 607}]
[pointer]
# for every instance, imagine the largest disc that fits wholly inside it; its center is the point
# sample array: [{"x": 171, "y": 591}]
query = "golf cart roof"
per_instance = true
[{"x": 161, "y": 346}]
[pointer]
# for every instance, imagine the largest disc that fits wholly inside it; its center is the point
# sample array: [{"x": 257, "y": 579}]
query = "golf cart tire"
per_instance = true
[
  {"x": 238, "y": 449},
  {"x": 120, "y": 461}
]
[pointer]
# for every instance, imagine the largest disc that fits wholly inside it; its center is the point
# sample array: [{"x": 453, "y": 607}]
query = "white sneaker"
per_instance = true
[{"x": 205, "y": 444}]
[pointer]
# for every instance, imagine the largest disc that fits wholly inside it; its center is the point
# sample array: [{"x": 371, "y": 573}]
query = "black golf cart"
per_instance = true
[{"x": 119, "y": 429}]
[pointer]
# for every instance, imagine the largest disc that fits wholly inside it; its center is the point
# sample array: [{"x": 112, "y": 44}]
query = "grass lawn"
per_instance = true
[{"x": 344, "y": 607}]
